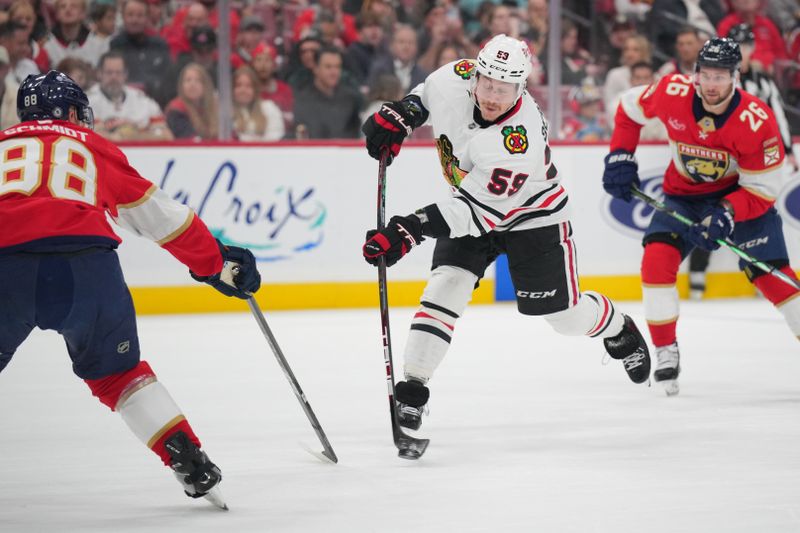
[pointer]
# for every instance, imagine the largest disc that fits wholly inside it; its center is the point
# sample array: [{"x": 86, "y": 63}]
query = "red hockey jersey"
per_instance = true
[
  {"x": 709, "y": 153},
  {"x": 58, "y": 181}
]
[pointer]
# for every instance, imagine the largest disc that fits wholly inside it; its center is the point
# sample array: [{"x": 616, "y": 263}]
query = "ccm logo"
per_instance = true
[
  {"x": 755, "y": 242},
  {"x": 542, "y": 294}
]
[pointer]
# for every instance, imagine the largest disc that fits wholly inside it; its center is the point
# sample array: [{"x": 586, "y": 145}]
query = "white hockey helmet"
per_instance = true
[{"x": 506, "y": 59}]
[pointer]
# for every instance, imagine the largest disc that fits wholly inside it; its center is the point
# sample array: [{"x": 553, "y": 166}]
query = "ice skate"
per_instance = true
[
  {"x": 668, "y": 367},
  {"x": 195, "y": 471},
  {"x": 630, "y": 347},
  {"x": 411, "y": 397}
]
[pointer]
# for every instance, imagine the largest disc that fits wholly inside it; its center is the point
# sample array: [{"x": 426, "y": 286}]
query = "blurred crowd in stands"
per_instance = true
[{"x": 305, "y": 69}]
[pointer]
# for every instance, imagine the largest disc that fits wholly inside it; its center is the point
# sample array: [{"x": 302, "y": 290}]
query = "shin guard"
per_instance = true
[
  {"x": 145, "y": 406},
  {"x": 783, "y": 297},
  {"x": 594, "y": 316},
  {"x": 446, "y": 295},
  {"x": 660, "y": 265}
]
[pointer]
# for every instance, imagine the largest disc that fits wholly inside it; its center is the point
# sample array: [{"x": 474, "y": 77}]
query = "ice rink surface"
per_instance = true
[{"x": 529, "y": 431}]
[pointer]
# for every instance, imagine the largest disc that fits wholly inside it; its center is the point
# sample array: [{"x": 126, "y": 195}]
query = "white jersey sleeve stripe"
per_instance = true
[
  {"x": 764, "y": 183},
  {"x": 629, "y": 100},
  {"x": 155, "y": 216}
]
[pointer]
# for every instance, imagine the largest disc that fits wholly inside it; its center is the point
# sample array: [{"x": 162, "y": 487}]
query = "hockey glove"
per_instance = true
[
  {"x": 621, "y": 174},
  {"x": 716, "y": 225},
  {"x": 239, "y": 276},
  {"x": 394, "y": 241},
  {"x": 388, "y": 128}
]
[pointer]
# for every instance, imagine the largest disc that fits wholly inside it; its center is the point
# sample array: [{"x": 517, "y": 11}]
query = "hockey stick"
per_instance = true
[
  {"x": 769, "y": 269},
  {"x": 409, "y": 447},
  {"x": 298, "y": 392}
]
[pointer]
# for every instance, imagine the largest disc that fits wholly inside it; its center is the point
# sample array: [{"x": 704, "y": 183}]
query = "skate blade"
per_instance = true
[
  {"x": 215, "y": 497},
  {"x": 412, "y": 449},
  {"x": 670, "y": 386}
]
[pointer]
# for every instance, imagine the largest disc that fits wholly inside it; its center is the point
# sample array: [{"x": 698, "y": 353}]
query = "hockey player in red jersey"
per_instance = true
[
  {"x": 58, "y": 182},
  {"x": 725, "y": 173},
  {"x": 507, "y": 198}
]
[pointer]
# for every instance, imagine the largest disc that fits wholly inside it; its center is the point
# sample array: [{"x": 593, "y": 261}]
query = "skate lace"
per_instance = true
[
  {"x": 414, "y": 411},
  {"x": 636, "y": 359},
  {"x": 668, "y": 356}
]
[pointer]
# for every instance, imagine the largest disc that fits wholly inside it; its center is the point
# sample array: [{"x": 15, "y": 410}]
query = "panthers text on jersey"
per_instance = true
[
  {"x": 709, "y": 153},
  {"x": 501, "y": 173},
  {"x": 58, "y": 181}
]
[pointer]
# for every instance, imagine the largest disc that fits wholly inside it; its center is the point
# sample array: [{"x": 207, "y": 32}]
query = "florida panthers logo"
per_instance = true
[
  {"x": 702, "y": 164},
  {"x": 464, "y": 68},
  {"x": 515, "y": 140}
]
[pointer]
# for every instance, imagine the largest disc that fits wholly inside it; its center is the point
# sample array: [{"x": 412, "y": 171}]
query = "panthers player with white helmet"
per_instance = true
[{"x": 507, "y": 198}]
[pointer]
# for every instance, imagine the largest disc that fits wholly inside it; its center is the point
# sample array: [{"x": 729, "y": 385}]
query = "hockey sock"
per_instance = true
[
  {"x": 145, "y": 406},
  {"x": 446, "y": 295},
  {"x": 594, "y": 316},
  {"x": 783, "y": 297},
  {"x": 660, "y": 265}
]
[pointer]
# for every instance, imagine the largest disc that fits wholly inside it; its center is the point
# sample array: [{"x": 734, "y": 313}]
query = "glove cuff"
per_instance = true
[
  {"x": 727, "y": 206},
  {"x": 413, "y": 110},
  {"x": 621, "y": 156},
  {"x": 201, "y": 279}
]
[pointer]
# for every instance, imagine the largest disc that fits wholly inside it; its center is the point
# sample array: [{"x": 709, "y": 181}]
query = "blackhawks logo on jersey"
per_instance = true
[
  {"x": 515, "y": 139},
  {"x": 703, "y": 164},
  {"x": 464, "y": 68},
  {"x": 452, "y": 173}
]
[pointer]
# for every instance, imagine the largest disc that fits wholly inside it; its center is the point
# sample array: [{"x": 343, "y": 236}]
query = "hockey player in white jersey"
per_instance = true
[{"x": 507, "y": 198}]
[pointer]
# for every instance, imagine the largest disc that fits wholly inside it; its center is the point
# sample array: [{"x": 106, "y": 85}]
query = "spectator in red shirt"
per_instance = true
[
  {"x": 179, "y": 23},
  {"x": 347, "y": 23},
  {"x": 273, "y": 89},
  {"x": 177, "y": 34},
  {"x": 769, "y": 42}
]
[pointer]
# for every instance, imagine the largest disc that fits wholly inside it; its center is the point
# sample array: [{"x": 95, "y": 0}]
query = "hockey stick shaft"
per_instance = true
[
  {"x": 384, "y": 293},
  {"x": 769, "y": 269},
  {"x": 401, "y": 440},
  {"x": 298, "y": 392}
]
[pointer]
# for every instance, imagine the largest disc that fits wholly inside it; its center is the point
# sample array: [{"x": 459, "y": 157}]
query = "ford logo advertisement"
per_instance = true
[{"x": 631, "y": 218}]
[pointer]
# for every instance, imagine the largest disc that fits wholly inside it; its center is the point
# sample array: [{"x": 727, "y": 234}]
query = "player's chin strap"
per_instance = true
[{"x": 769, "y": 269}]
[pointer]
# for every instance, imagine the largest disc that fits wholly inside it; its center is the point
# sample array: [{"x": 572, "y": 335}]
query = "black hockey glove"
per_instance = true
[
  {"x": 394, "y": 241},
  {"x": 239, "y": 276},
  {"x": 389, "y": 126},
  {"x": 718, "y": 224},
  {"x": 621, "y": 174}
]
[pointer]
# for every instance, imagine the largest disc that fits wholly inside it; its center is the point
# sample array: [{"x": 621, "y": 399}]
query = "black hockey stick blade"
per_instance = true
[
  {"x": 287, "y": 371},
  {"x": 410, "y": 447}
]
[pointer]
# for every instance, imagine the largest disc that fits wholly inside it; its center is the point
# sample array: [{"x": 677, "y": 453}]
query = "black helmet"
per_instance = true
[
  {"x": 742, "y": 34},
  {"x": 719, "y": 52},
  {"x": 49, "y": 96}
]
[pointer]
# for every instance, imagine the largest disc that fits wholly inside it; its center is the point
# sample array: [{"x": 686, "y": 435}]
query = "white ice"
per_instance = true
[{"x": 529, "y": 431}]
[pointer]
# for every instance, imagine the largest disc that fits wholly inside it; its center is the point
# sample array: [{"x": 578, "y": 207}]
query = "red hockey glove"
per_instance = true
[
  {"x": 394, "y": 241},
  {"x": 388, "y": 128}
]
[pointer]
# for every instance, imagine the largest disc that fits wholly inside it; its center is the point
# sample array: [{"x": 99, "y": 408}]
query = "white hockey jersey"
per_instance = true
[{"x": 501, "y": 174}]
